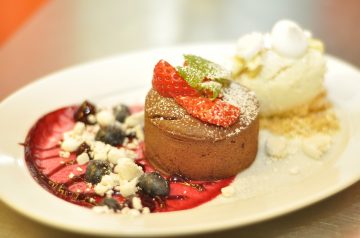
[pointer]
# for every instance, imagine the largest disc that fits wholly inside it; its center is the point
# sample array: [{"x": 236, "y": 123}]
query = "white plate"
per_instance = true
[{"x": 126, "y": 78}]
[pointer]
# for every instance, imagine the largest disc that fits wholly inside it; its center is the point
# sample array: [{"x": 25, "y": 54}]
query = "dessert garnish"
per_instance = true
[
  {"x": 197, "y": 86},
  {"x": 216, "y": 111},
  {"x": 93, "y": 157},
  {"x": 203, "y": 74}
]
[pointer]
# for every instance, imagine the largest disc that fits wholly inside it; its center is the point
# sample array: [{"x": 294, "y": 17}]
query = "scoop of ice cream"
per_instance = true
[{"x": 286, "y": 72}]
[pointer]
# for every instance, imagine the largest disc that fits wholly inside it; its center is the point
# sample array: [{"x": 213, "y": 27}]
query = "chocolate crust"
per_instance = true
[{"x": 176, "y": 142}]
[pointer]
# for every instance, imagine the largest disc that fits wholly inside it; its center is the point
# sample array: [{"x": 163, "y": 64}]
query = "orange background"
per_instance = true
[{"x": 13, "y": 13}]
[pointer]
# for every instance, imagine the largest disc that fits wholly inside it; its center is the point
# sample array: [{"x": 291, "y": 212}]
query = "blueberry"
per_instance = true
[
  {"x": 111, "y": 203},
  {"x": 121, "y": 112},
  {"x": 84, "y": 111},
  {"x": 154, "y": 184},
  {"x": 112, "y": 135},
  {"x": 95, "y": 170}
]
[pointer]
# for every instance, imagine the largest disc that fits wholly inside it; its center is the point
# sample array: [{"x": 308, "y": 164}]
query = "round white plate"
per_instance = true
[{"x": 126, "y": 78}]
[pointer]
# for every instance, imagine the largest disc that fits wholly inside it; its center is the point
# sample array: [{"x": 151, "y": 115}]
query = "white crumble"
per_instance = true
[
  {"x": 105, "y": 118},
  {"x": 125, "y": 210},
  {"x": 83, "y": 158},
  {"x": 64, "y": 154},
  {"x": 101, "y": 189},
  {"x": 100, "y": 150},
  {"x": 136, "y": 203},
  {"x": 115, "y": 154},
  {"x": 70, "y": 144},
  {"x": 128, "y": 188},
  {"x": 124, "y": 173},
  {"x": 79, "y": 128},
  {"x": 139, "y": 132},
  {"x": 228, "y": 191},
  {"x": 316, "y": 145},
  {"x": 135, "y": 119},
  {"x": 109, "y": 193},
  {"x": 127, "y": 169},
  {"x": 276, "y": 147},
  {"x": 91, "y": 118},
  {"x": 146, "y": 210},
  {"x": 126, "y": 141},
  {"x": 133, "y": 145}
]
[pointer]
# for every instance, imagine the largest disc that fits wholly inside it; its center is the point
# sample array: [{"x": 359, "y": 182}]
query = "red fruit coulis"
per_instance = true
[{"x": 52, "y": 171}]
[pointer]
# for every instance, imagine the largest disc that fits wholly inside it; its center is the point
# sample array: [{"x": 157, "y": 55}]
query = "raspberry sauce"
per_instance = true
[{"x": 52, "y": 171}]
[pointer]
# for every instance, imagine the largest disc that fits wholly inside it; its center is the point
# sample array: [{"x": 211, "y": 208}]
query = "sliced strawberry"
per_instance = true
[
  {"x": 215, "y": 112},
  {"x": 168, "y": 83}
]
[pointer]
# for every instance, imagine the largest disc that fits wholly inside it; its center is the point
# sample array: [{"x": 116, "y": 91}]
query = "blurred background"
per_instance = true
[{"x": 38, "y": 37}]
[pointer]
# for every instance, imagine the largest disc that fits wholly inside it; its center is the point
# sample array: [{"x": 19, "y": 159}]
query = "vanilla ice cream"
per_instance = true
[{"x": 285, "y": 68}]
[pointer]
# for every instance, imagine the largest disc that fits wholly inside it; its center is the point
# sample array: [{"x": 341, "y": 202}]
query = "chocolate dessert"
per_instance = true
[{"x": 181, "y": 141}]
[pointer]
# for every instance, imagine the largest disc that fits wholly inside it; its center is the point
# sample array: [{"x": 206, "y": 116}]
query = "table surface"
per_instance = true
[{"x": 67, "y": 32}]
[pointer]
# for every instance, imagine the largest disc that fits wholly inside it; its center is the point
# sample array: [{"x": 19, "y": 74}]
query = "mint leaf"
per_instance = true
[
  {"x": 197, "y": 69},
  {"x": 212, "y": 86}
]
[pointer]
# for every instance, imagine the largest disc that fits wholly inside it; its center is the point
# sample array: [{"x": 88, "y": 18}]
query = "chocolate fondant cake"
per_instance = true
[{"x": 178, "y": 143}]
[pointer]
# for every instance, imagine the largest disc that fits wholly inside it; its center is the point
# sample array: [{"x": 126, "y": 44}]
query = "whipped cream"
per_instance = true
[{"x": 285, "y": 67}]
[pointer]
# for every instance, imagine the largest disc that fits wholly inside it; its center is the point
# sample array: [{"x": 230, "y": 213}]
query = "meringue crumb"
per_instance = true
[
  {"x": 146, "y": 210},
  {"x": 276, "y": 147},
  {"x": 64, "y": 154},
  {"x": 228, "y": 191},
  {"x": 316, "y": 146}
]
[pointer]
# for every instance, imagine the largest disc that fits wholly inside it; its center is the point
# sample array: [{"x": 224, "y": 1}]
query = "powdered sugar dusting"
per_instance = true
[
  {"x": 166, "y": 114},
  {"x": 246, "y": 100}
]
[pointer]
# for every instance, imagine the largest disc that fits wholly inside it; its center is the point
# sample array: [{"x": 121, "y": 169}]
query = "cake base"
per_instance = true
[
  {"x": 177, "y": 143},
  {"x": 201, "y": 159}
]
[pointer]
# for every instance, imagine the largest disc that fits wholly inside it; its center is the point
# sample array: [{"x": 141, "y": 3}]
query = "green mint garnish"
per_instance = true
[
  {"x": 197, "y": 70},
  {"x": 212, "y": 86}
]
